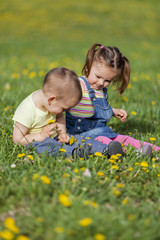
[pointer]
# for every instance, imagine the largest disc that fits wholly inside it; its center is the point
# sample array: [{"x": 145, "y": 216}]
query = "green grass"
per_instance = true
[{"x": 121, "y": 203}]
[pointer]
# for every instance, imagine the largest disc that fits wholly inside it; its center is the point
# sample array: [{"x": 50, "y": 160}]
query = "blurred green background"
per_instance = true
[{"x": 61, "y": 29}]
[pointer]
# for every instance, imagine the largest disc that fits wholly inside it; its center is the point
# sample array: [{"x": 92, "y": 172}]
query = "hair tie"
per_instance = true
[{"x": 101, "y": 47}]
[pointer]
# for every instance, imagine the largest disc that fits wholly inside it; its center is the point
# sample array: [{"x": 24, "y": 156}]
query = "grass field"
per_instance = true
[{"x": 53, "y": 199}]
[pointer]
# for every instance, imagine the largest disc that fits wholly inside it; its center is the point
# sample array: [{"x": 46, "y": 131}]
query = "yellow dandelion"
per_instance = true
[
  {"x": 131, "y": 217},
  {"x": 72, "y": 140},
  {"x": 153, "y": 159},
  {"x": 147, "y": 77},
  {"x": 99, "y": 236},
  {"x": 10, "y": 224},
  {"x": 116, "y": 192},
  {"x": 125, "y": 200},
  {"x": 62, "y": 150},
  {"x": 115, "y": 167},
  {"x": 15, "y": 75},
  {"x": 129, "y": 85},
  {"x": 125, "y": 99},
  {"x": 25, "y": 71},
  {"x": 83, "y": 168},
  {"x": 51, "y": 121},
  {"x": 86, "y": 202},
  {"x": 158, "y": 175},
  {"x": 76, "y": 170},
  {"x": 45, "y": 179},
  {"x": 153, "y": 103},
  {"x": 100, "y": 174},
  {"x": 144, "y": 164},
  {"x": 112, "y": 161},
  {"x": 130, "y": 169},
  {"x": 59, "y": 229},
  {"x": 134, "y": 113},
  {"x": 114, "y": 157},
  {"x": 6, "y": 235},
  {"x": 120, "y": 185},
  {"x": 30, "y": 157},
  {"x": 20, "y": 155},
  {"x": 137, "y": 163},
  {"x": 84, "y": 222},
  {"x": 35, "y": 176},
  {"x": 40, "y": 219},
  {"x": 81, "y": 158},
  {"x": 94, "y": 204},
  {"x": 32, "y": 75},
  {"x": 64, "y": 200},
  {"x": 152, "y": 139},
  {"x": 134, "y": 79},
  {"x": 22, "y": 237},
  {"x": 98, "y": 154},
  {"x": 66, "y": 175}
]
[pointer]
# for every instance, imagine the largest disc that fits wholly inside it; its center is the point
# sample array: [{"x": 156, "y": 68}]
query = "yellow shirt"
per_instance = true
[{"x": 32, "y": 117}]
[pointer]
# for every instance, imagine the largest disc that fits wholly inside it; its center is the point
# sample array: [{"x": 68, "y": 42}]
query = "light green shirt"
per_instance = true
[{"x": 32, "y": 117}]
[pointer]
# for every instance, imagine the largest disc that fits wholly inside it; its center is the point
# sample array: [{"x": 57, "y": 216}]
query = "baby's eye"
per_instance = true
[{"x": 108, "y": 81}]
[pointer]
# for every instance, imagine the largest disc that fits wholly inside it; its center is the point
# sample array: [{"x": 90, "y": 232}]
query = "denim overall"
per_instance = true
[{"x": 96, "y": 125}]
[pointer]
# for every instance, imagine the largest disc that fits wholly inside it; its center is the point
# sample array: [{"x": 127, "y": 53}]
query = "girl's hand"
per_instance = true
[
  {"x": 63, "y": 138},
  {"x": 120, "y": 113},
  {"x": 48, "y": 130}
]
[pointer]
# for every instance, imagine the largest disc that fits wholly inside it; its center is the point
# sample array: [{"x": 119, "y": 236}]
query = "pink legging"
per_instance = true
[{"x": 125, "y": 140}]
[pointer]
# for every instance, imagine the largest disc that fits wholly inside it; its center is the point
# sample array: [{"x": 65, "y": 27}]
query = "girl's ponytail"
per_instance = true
[
  {"x": 89, "y": 59},
  {"x": 124, "y": 76}
]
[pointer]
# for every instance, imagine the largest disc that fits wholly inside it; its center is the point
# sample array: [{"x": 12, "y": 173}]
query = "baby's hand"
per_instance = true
[
  {"x": 63, "y": 138},
  {"x": 120, "y": 113},
  {"x": 48, "y": 130}
]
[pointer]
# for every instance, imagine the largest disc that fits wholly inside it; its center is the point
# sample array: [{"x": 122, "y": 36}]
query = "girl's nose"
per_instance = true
[{"x": 100, "y": 82}]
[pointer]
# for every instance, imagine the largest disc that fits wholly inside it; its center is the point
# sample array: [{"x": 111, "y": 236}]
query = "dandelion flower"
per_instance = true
[
  {"x": 98, "y": 154},
  {"x": 76, "y": 170},
  {"x": 51, "y": 121},
  {"x": 59, "y": 229},
  {"x": 134, "y": 113},
  {"x": 125, "y": 200},
  {"x": 13, "y": 165},
  {"x": 152, "y": 139},
  {"x": 30, "y": 157},
  {"x": 6, "y": 235},
  {"x": 99, "y": 236},
  {"x": 10, "y": 224},
  {"x": 64, "y": 200},
  {"x": 45, "y": 179},
  {"x": 35, "y": 176},
  {"x": 100, "y": 174},
  {"x": 62, "y": 150},
  {"x": 22, "y": 237},
  {"x": 84, "y": 222},
  {"x": 144, "y": 164},
  {"x": 20, "y": 155},
  {"x": 115, "y": 167}
]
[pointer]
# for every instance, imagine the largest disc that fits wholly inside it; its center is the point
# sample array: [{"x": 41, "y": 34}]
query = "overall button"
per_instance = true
[
  {"x": 78, "y": 127},
  {"x": 79, "y": 120}
]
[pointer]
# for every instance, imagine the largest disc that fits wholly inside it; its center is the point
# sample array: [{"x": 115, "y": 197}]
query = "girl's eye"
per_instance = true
[
  {"x": 98, "y": 76},
  {"x": 107, "y": 81}
]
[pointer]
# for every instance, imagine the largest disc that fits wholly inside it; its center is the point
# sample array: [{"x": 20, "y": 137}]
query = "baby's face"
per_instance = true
[
  {"x": 61, "y": 105},
  {"x": 101, "y": 75}
]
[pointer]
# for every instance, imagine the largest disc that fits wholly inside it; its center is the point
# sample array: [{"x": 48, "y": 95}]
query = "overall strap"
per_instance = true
[
  {"x": 105, "y": 93},
  {"x": 91, "y": 91}
]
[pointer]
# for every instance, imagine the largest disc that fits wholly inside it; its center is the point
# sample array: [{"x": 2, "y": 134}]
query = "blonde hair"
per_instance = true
[
  {"x": 114, "y": 59},
  {"x": 62, "y": 81}
]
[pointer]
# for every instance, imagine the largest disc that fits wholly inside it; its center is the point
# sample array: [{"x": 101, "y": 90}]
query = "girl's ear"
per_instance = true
[{"x": 51, "y": 99}]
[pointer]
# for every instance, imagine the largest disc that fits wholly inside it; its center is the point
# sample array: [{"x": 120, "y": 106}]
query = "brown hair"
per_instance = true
[
  {"x": 114, "y": 59},
  {"x": 62, "y": 81}
]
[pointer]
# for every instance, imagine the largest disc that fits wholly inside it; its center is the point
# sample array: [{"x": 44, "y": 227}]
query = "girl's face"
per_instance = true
[{"x": 101, "y": 75}]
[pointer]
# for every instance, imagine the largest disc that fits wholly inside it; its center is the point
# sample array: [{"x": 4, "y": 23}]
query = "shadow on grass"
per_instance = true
[{"x": 131, "y": 125}]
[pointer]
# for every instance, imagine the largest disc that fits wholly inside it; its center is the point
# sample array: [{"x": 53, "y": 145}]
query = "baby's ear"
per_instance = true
[{"x": 51, "y": 99}]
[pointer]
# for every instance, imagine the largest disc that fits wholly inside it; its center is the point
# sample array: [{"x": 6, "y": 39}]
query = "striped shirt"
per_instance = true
[{"x": 85, "y": 108}]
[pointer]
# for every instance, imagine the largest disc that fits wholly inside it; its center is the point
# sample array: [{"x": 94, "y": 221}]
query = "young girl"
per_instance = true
[{"x": 103, "y": 66}]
